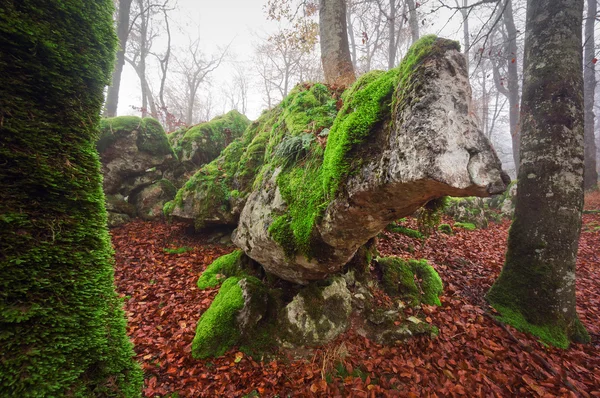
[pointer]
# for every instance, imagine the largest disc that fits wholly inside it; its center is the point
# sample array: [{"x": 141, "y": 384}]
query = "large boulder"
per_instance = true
[
  {"x": 403, "y": 137},
  {"x": 143, "y": 166},
  {"x": 200, "y": 144},
  {"x": 135, "y": 155}
]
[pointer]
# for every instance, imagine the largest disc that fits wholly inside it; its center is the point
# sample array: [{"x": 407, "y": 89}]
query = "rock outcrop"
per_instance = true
[
  {"x": 402, "y": 138},
  {"x": 319, "y": 175},
  {"x": 200, "y": 144},
  {"x": 135, "y": 154},
  {"x": 141, "y": 169}
]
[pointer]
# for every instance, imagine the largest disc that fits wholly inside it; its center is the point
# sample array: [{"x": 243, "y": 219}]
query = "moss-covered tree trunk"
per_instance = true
[
  {"x": 536, "y": 289},
  {"x": 62, "y": 327},
  {"x": 335, "y": 52}
]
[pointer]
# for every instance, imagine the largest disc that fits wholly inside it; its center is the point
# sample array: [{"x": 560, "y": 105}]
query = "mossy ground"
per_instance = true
[{"x": 62, "y": 327}]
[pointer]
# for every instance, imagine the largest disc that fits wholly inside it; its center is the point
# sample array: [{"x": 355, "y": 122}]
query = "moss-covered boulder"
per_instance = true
[
  {"x": 237, "y": 308},
  {"x": 134, "y": 152},
  {"x": 200, "y": 144},
  {"x": 62, "y": 326},
  {"x": 150, "y": 200},
  {"x": 401, "y": 139},
  {"x": 135, "y": 155}
]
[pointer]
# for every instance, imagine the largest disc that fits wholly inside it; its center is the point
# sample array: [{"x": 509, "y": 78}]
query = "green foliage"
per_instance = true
[
  {"x": 223, "y": 267},
  {"x": 414, "y": 280},
  {"x": 294, "y": 148},
  {"x": 216, "y": 331},
  {"x": 62, "y": 327},
  {"x": 178, "y": 250},
  {"x": 465, "y": 225}
]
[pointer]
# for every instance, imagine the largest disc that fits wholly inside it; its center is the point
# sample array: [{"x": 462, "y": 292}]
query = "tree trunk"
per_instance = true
[
  {"x": 335, "y": 53},
  {"x": 589, "y": 88},
  {"x": 392, "y": 46},
  {"x": 536, "y": 290},
  {"x": 112, "y": 97},
  {"x": 413, "y": 20},
  {"x": 513, "y": 81},
  {"x": 61, "y": 321}
]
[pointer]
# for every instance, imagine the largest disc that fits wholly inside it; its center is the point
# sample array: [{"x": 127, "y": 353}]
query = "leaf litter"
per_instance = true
[{"x": 472, "y": 356}]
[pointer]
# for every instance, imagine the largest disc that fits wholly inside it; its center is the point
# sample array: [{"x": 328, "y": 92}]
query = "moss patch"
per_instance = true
[
  {"x": 209, "y": 138},
  {"x": 223, "y": 267},
  {"x": 216, "y": 331},
  {"x": 465, "y": 225},
  {"x": 414, "y": 281},
  {"x": 151, "y": 137},
  {"x": 399, "y": 229}
]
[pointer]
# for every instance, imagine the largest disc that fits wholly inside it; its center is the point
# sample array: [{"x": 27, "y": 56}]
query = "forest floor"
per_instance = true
[{"x": 472, "y": 356}]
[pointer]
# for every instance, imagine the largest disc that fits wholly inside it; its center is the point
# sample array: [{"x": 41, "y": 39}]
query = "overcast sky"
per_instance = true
[{"x": 228, "y": 22}]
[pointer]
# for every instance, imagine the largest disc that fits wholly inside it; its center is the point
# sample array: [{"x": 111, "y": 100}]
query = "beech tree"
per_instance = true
[
  {"x": 112, "y": 97},
  {"x": 335, "y": 52},
  {"x": 62, "y": 326},
  {"x": 535, "y": 291},
  {"x": 589, "y": 87}
]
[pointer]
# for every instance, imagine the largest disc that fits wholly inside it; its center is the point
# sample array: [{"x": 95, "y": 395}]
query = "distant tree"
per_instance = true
[
  {"x": 62, "y": 326},
  {"x": 335, "y": 52},
  {"x": 536, "y": 290},
  {"x": 589, "y": 87},
  {"x": 112, "y": 97}
]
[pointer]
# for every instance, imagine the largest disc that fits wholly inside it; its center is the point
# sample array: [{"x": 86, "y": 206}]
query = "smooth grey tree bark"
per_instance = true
[
  {"x": 335, "y": 52},
  {"x": 536, "y": 290},
  {"x": 413, "y": 20},
  {"x": 112, "y": 97},
  {"x": 589, "y": 89}
]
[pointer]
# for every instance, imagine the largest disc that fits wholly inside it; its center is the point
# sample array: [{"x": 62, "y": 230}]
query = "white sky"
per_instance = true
[{"x": 218, "y": 24}]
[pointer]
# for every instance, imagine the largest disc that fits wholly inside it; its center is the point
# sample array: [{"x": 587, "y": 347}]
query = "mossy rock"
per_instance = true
[
  {"x": 235, "y": 311},
  {"x": 222, "y": 268},
  {"x": 465, "y": 225},
  {"x": 414, "y": 281},
  {"x": 150, "y": 135},
  {"x": 202, "y": 143},
  {"x": 317, "y": 314}
]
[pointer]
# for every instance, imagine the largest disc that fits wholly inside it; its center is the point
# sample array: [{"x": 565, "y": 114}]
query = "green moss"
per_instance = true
[
  {"x": 223, "y": 267},
  {"x": 414, "y": 281},
  {"x": 399, "y": 229},
  {"x": 112, "y": 128},
  {"x": 211, "y": 137},
  {"x": 430, "y": 215},
  {"x": 465, "y": 225},
  {"x": 446, "y": 229},
  {"x": 153, "y": 139},
  {"x": 178, "y": 250},
  {"x": 62, "y": 326},
  {"x": 216, "y": 331}
]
